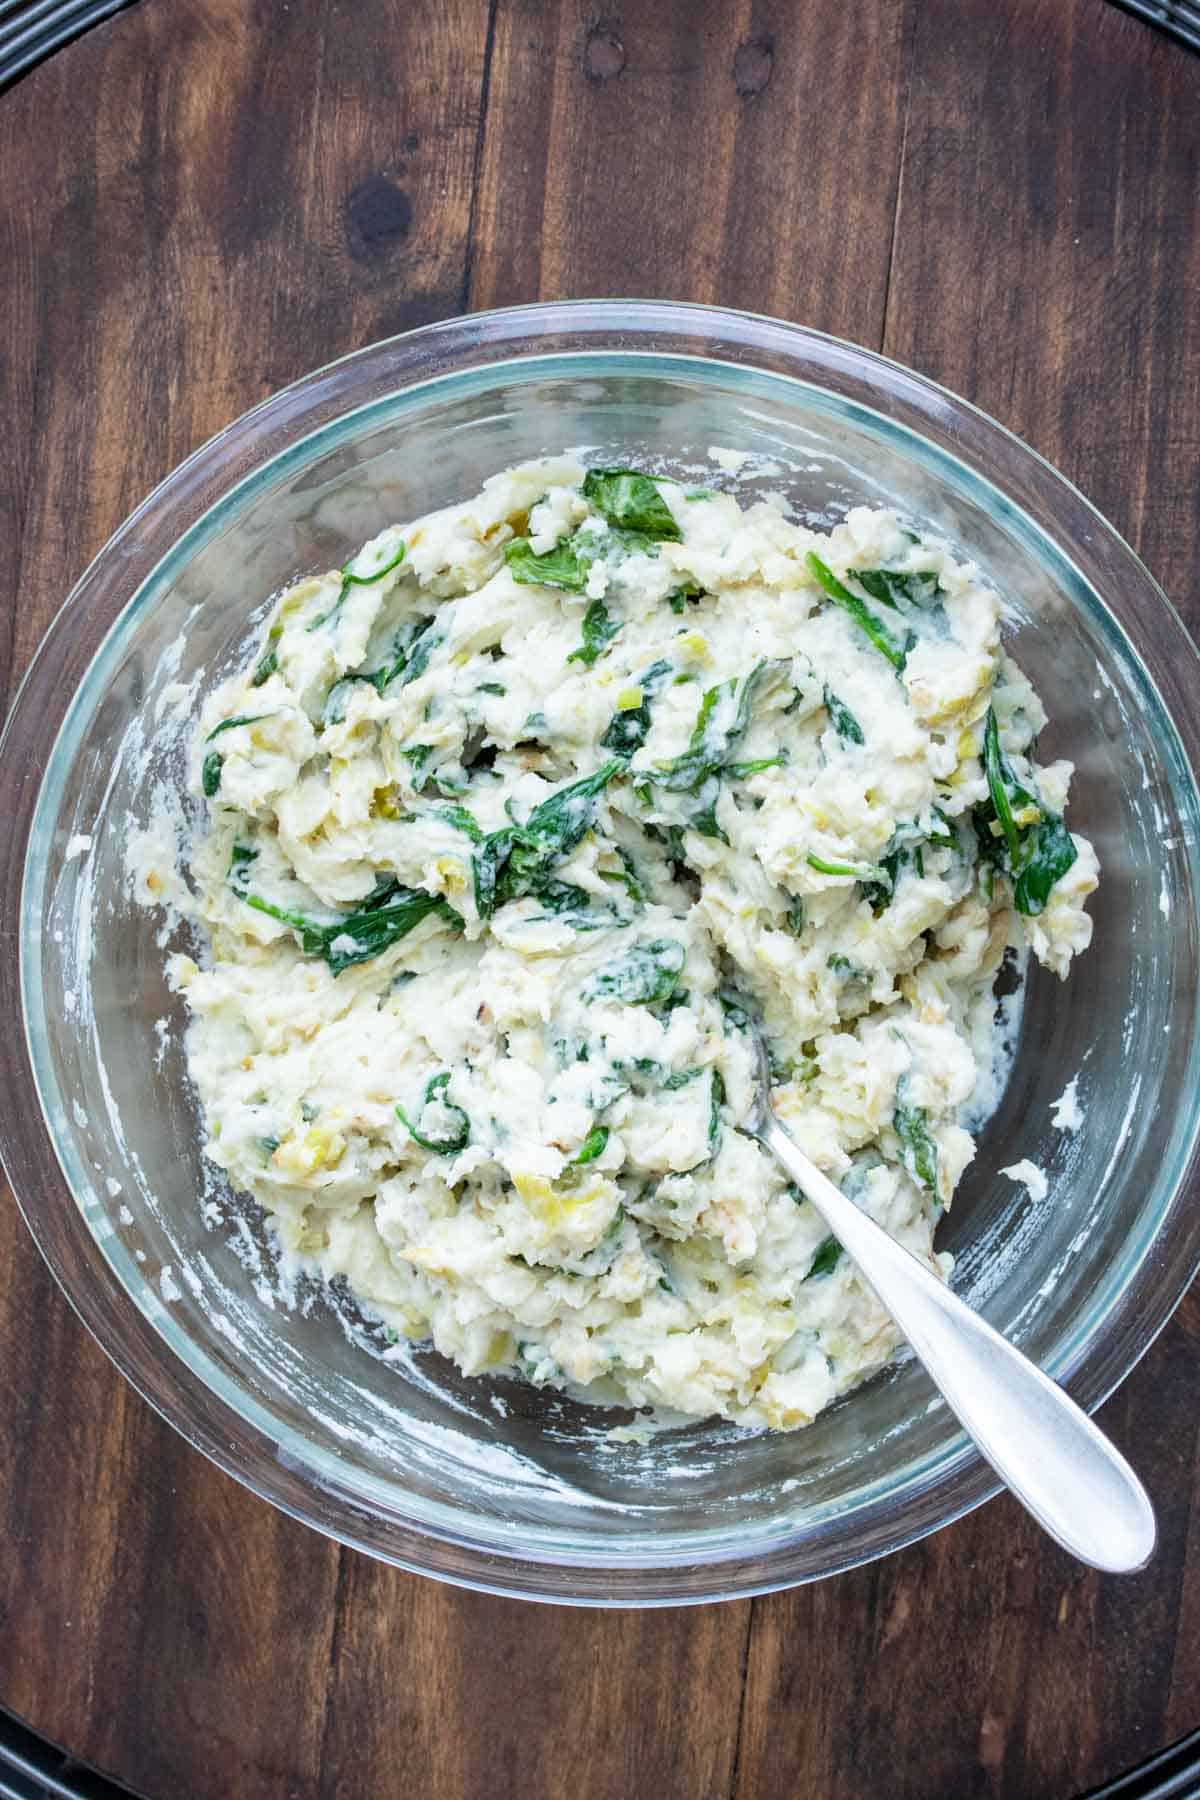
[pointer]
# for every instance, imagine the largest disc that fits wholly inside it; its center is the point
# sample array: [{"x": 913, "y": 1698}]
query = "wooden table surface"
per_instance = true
[{"x": 200, "y": 201}]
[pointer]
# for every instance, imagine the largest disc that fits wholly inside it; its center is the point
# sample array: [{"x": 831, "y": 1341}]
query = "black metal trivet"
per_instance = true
[
  {"x": 1180, "y": 17},
  {"x": 1173, "y": 1774},
  {"x": 32, "y": 1769},
  {"x": 31, "y": 29}
]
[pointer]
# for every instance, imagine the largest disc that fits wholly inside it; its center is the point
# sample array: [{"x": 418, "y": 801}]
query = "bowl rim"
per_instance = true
[{"x": 487, "y": 341}]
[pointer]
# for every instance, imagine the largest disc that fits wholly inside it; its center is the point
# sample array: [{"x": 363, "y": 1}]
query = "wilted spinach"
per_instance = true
[
  {"x": 842, "y": 719},
  {"x": 647, "y": 974},
  {"x": 631, "y": 500},
  {"x": 519, "y": 858},
  {"x": 826, "y": 1260},
  {"x": 599, "y": 630},
  {"x": 920, "y": 1157},
  {"x": 1034, "y": 854},
  {"x": 893, "y": 587},
  {"x": 457, "y": 1129},
  {"x": 388, "y": 913},
  {"x": 629, "y": 730},
  {"x": 872, "y": 627}
]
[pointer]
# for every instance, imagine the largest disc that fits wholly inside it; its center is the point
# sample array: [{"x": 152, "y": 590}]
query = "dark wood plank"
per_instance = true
[
  {"x": 205, "y": 199},
  {"x": 157, "y": 1619},
  {"x": 984, "y": 1663},
  {"x": 1182, "y": 1711},
  {"x": 689, "y": 151},
  {"x": 242, "y": 193},
  {"x": 252, "y": 209},
  {"x": 460, "y": 1694},
  {"x": 1047, "y": 263},
  {"x": 1048, "y": 250},
  {"x": 200, "y": 202}
]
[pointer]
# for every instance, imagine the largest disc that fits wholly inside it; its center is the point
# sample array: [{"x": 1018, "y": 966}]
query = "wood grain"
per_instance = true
[
  {"x": 1047, "y": 257},
  {"x": 984, "y": 1662},
  {"x": 675, "y": 151},
  {"x": 1046, "y": 265},
  {"x": 205, "y": 198},
  {"x": 245, "y": 190}
]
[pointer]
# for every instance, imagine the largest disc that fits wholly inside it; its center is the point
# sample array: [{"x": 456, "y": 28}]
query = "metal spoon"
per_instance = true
[{"x": 1043, "y": 1447}]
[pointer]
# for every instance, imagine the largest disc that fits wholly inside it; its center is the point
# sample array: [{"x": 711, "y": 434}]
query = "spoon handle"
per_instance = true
[{"x": 1043, "y": 1446}]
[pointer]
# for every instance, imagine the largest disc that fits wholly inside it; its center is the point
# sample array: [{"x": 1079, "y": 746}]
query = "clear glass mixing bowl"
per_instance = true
[{"x": 487, "y": 1481}]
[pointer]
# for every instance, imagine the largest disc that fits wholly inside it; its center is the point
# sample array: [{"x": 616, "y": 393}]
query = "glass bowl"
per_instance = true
[{"x": 284, "y": 1384}]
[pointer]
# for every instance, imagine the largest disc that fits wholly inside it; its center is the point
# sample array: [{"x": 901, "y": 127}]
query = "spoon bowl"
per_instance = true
[{"x": 1045, "y": 1449}]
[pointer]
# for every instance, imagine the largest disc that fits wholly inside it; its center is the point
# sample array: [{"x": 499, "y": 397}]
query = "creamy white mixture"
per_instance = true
[{"x": 515, "y": 821}]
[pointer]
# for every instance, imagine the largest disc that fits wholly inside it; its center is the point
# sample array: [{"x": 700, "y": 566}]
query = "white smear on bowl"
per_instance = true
[
  {"x": 1066, "y": 1114},
  {"x": 1030, "y": 1175}
]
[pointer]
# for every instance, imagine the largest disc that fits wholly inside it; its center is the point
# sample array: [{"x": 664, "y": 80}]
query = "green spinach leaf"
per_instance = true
[
  {"x": 872, "y": 627},
  {"x": 561, "y": 567},
  {"x": 455, "y": 1126},
  {"x": 678, "y": 598},
  {"x": 229, "y": 724},
  {"x": 920, "y": 1157},
  {"x": 906, "y": 851},
  {"x": 387, "y": 914},
  {"x": 628, "y": 731},
  {"x": 629, "y": 499},
  {"x": 268, "y": 664},
  {"x": 350, "y": 580},
  {"x": 826, "y": 1260},
  {"x": 892, "y": 587},
  {"x": 461, "y": 819},
  {"x": 628, "y": 878},
  {"x": 680, "y": 1078},
  {"x": 735, "y": 1010},
  {"x": 240, "y": 863},
  {"x": 519, "y": 858},
  {"x": 721, "y": 720},
  {"x": 842, "y": 719},
  {"x": 599, "y": 630},
  {"x": 409, "y": 665},
  {"x": 574, "y": 905},
  {"x": 592, "y": 1146},
  {"x": 1036, "y": 854},
  {"x": 741, "y": 771},
  {"x": 647, "y": 975},
  {"x": 715, "y": 1101}
]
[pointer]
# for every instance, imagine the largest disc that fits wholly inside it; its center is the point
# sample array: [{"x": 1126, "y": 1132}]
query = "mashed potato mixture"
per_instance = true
[{"x": 516, "y": 821}]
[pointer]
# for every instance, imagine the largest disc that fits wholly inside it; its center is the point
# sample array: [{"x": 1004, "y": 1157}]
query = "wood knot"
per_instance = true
[
  {"x": 752, "y": 64},
  {"x": 604, "y": 53},
  {"x": 378, "y": 217},
  {"x": 993, "y": 1740}
]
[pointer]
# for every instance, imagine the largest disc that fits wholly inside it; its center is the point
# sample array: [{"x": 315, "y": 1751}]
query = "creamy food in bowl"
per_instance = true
[
  {"x": 512, "y": 821},
  {"x": 125, "y": 1067}
]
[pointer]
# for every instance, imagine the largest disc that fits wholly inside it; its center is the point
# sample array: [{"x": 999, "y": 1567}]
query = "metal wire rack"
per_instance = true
[
  {"x": 31, "y": 29},
  {"x": 1179, "y": 17},
  {"x": 31, "y": 1769}
]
